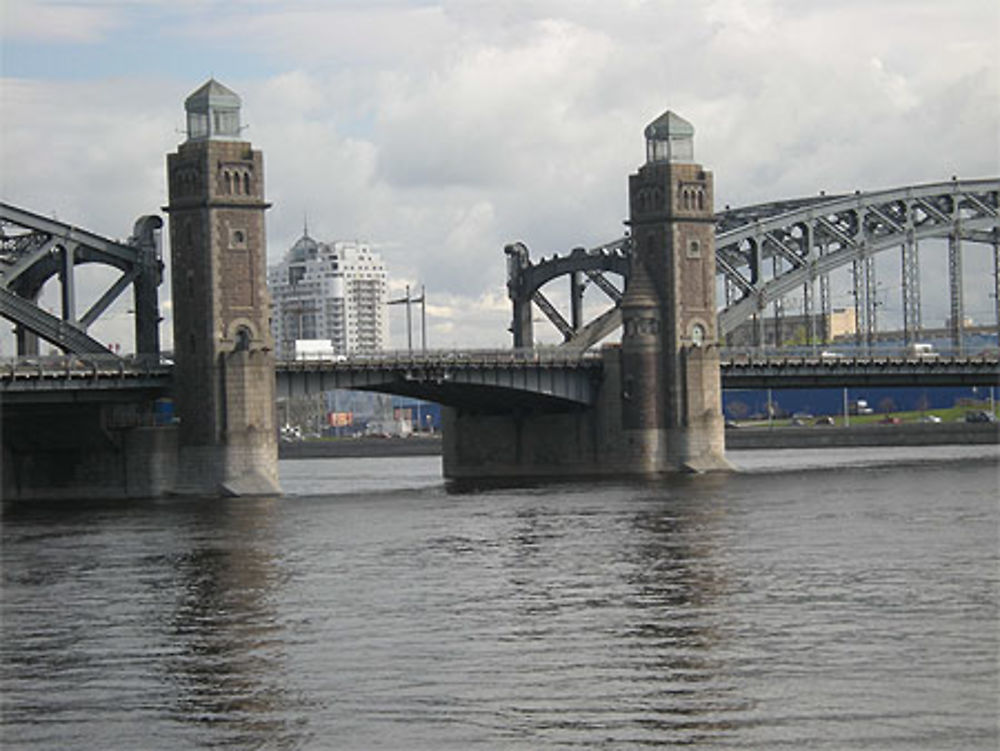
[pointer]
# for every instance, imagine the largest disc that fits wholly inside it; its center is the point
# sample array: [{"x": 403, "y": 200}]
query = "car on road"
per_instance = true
[{"x": 980, "y": 415}]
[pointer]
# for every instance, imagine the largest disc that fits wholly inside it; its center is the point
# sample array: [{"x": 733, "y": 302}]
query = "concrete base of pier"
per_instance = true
[
  {"x": 588, "y": 442},
  {"x": 91, "y": 451}
]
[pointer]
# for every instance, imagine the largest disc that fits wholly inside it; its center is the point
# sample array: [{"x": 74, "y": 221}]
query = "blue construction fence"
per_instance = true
[{"x": 738, "y": 404}]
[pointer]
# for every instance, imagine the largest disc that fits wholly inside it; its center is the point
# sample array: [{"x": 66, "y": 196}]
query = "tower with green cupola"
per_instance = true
[
  {"x": 223, "y": 353},
  {"x": 671, "y": 391}
]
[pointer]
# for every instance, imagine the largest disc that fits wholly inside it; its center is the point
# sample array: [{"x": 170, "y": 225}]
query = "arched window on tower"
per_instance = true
[
  {"x": 243, "y": 339},
  {"x": 246, "y": 183}
]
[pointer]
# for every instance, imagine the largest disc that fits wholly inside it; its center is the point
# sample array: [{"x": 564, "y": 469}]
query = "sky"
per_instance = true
[{"x": 440, "y": 131}]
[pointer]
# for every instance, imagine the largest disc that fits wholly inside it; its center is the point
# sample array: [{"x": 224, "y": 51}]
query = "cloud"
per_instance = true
[{"x": 36, "y": 20}]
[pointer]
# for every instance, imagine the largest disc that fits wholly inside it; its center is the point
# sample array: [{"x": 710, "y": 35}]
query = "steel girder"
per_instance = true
[
  {"x": 500, "y": 381},
  {"x": 525, "y": 280},
  {"x": 851, "y": 229},
  {"x": 805, "y": 239},
  {"x": 34, "y": 248}
]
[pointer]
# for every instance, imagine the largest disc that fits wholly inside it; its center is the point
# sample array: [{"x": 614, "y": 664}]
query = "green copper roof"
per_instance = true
[
  {"x": 212, "y": 94},
  {"x": 669, "y": 125}
]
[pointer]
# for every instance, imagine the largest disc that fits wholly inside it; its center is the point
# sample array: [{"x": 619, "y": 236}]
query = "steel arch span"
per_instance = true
[
  {"x": 34, "y": 249},
  {"x": 767, "y": 251}
]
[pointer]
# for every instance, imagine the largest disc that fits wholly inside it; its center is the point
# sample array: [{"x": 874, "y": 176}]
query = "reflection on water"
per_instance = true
[
  {"x": 845, "y": 608},
  {"x": 228, "y": 670}
]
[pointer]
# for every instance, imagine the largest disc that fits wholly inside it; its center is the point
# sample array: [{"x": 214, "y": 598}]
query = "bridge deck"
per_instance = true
[
  {"x": 747, "y": 370},
  {"x": 486, "y": 380},
  {"x": 77, "y": 378},
  {"x": 496, "y": 380}
]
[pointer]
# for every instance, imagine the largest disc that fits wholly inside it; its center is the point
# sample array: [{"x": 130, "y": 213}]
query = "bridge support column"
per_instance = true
[
  {"x": 956, "y": 319},
  {"x": 145, "y": 299},
  {"x": 996, "y": 279},
  {"x": 241, "y": 459},
  {"x": 27, "y": 341},
  {"x": 223, "y": 353},
  {"x": 674, "y": 408},
  {"x": 586, "y": 442},
  {"x": 911, "y": 288},
  {"x": 521, "y": 326},
  {"x": 75, "y": 450},
  {"x": 659, "y": 409}
]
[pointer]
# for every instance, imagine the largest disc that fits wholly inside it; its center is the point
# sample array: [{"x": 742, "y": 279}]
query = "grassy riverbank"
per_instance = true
[{"x": 951, "y": 414}]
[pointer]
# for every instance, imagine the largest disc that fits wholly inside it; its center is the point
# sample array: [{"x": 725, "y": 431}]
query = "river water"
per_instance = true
[{"x": 815, "y": 600}]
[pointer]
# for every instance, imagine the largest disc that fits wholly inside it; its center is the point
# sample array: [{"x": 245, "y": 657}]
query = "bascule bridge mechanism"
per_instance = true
[
  {"x": 767, "y": 252},
  {"x": 35, "y": 249}
]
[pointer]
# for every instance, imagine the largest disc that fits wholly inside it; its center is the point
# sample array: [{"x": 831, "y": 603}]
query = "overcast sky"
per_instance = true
[{"x": 441, "y": 131}]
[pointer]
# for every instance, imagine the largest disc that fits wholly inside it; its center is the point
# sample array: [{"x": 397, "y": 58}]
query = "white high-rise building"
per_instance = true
[{"x": 329, "y": 291}]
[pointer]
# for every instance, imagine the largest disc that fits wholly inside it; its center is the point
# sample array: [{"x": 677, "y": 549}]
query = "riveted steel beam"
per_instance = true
[
  {"x": 34, "y": 248},
  {"x": 816, "y": 236}
]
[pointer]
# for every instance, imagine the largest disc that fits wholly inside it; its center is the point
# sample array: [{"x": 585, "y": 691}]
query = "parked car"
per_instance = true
[
  {"x": 930, "y": 418},
  {"x": 890, "y": 420},
  {"x": 980, "y": 415},
  {"x": 860, "y": 407},
  {"x": 825, "y": 420}
]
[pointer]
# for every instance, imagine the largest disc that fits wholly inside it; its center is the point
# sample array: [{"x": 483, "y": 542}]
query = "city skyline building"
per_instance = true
[{"x": 329, "y": 291}]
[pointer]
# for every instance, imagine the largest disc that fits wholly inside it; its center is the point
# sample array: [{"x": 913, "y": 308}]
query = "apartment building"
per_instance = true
[{"x": 333, "y": 291}]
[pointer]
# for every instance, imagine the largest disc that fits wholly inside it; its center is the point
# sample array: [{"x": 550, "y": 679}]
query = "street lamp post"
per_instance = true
[{"x": 407, "y": 301}]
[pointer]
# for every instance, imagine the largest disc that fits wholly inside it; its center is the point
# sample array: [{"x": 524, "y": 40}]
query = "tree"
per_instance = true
[
  {"x": 737, "y": 410},
  {"x": 923, "y": 402},
  {"x": 886, "y": 405}
]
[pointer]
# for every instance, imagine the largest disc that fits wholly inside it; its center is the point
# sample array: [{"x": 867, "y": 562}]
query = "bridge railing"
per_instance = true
[
  {"x": 82, "y": 366},
  {"x": 835, "y": 353},
  {"x": 549, "y": 356}
]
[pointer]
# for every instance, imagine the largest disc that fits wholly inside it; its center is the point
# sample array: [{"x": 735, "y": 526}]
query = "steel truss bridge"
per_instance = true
[
  {"x": 501, "y": 381},
  {"x": 35, "y": 249},
  {"x": 765, "y": 253}
]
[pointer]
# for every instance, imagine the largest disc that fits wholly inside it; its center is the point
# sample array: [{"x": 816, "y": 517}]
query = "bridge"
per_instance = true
[
  {"x": 35, "y": 249},
  {"x": 492, "y": 381},
  {"x": 766, "y": 252},
  {"x": 763, "y": 254},
  {"x": 647, "y": 407}
]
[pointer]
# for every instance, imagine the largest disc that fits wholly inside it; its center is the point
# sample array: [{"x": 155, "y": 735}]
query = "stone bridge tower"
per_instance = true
[
  {"x": 671, "y": 391},
  {"x": 223, "y": 355}
]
